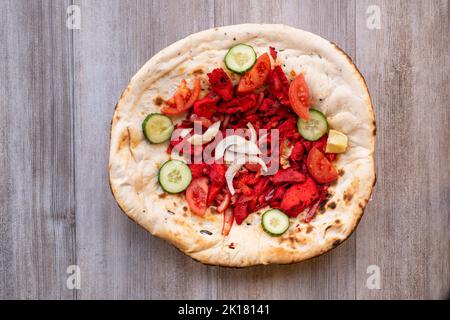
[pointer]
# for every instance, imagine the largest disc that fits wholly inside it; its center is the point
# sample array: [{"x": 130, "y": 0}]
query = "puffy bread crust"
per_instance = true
[{"x": 337, "y": 89}]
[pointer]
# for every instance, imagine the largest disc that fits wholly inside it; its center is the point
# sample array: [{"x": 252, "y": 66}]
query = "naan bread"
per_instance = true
[{"x": 337, "y": 89}]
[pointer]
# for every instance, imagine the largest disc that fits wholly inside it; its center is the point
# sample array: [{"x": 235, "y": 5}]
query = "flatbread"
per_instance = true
[{"x": 336, "y": 88}]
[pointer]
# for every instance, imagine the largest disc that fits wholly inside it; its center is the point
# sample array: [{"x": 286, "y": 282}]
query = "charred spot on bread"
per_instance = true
[
  {"x": 332, "y": 205},
  {"x": 347, "y": 197},
  {"x": 206, "y": 232},
  {"x": 322, "y": 208},
  {"x": 198, "y": 72},
  {"x": 158, "y": 101},
  {"x": 336, "y": 243},
  {"x": 124, "y": 140}
]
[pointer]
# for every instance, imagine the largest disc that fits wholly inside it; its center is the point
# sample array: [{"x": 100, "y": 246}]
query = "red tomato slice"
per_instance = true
[
  {"x": 320, "y": 168},
  {"x": 197, "y": 194},
  {"x": 195, "y": 94},
  {"x": 183, "y": 98},
  {"x": 299, "y": 97},
  {"x": 257, "y": 75}
]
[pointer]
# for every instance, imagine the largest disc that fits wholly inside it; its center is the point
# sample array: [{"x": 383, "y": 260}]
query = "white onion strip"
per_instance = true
[
  {"x": 253, "y": 137},
  {"x": 237, "y": 151},
  {"x": 245, "y": 148},
  {"x": 255, "y": 159},
  {"x": 229, "y": 175},
  {"x": 226, "y": 143},
  {"x": 239, "y": 161},
  {"x": 185, "y": 132},
  {"x": 199, "y": 139},
  {"x": 263, "y": 138}
]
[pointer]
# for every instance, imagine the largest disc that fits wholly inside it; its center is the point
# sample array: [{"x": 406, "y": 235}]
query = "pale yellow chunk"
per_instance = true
[{"x": 337, "y": 142}]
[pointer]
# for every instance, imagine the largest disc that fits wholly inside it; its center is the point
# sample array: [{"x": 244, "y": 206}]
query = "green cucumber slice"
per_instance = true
[
  {"x": 314, "y": 128},
  {"x": 157, "y": 128},
  {"x": 174, "y": 176},
  {"x": 275, "y": 222},
  {"x": 240, "y": 58}
]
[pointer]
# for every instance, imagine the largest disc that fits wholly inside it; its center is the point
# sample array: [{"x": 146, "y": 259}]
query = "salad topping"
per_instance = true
[{"x": 267, "y": 147}]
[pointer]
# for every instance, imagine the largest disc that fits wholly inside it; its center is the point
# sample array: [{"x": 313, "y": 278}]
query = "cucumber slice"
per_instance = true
[
  {"x": 314, "y": 128},
  {"x": 174, "y": 176},
  {"x": 157, "y": 128},
  {"x": 275, "y": 222},
  {"x": 240, "y": 58}
]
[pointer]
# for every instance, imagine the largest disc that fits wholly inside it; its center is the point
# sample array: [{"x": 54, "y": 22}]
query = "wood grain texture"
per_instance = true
[
  {"x": 406, "y": 227},
  {"x": 37, "y": 213},
  {"x": 59, "y": 88}
]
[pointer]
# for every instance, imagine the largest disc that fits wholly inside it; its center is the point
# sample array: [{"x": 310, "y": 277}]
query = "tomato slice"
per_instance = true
[
  {"x": 299, "y": 97},
  {"x": 183, "y": 99},
  {"x": 320, "y": 168},
  {"x": 257, "y": 75},
  {"x": 195, "y": 94},
  {"x": 197, "y": 194}
]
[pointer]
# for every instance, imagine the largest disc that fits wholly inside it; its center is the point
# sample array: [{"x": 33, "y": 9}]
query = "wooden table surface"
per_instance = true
[{"x": 58, "y": 89}]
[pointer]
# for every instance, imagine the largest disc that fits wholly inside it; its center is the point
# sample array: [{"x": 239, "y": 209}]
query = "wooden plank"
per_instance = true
[
  {"x": 117, "y": 258},
  {"x": 37, "y": 224},
  {"x": 406, "y": 228},
  {"x": 332, "y": 275}
]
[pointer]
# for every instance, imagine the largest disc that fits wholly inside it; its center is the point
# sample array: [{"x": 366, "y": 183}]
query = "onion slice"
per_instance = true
[
  {"x": 255, "y": 159},
  {"x": 180, "y": 133},
  {"x": 253, "y": 137},
  {"x": 226, "y": 143},
  {"x": 185, "y": 132},
  {"x": 238, "y": 162},
  {"x": 199, "y": 139},
  {"x": 233, "y": 157},
  {"x": 229, "y": 175},
  {"x": 239, "y": 158},
  {"x": 248, "y": 148},
  {"x": 263, "y": 138},
  {"x": 230, "y": 156},
  {"x": 228, "y": 219}
]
